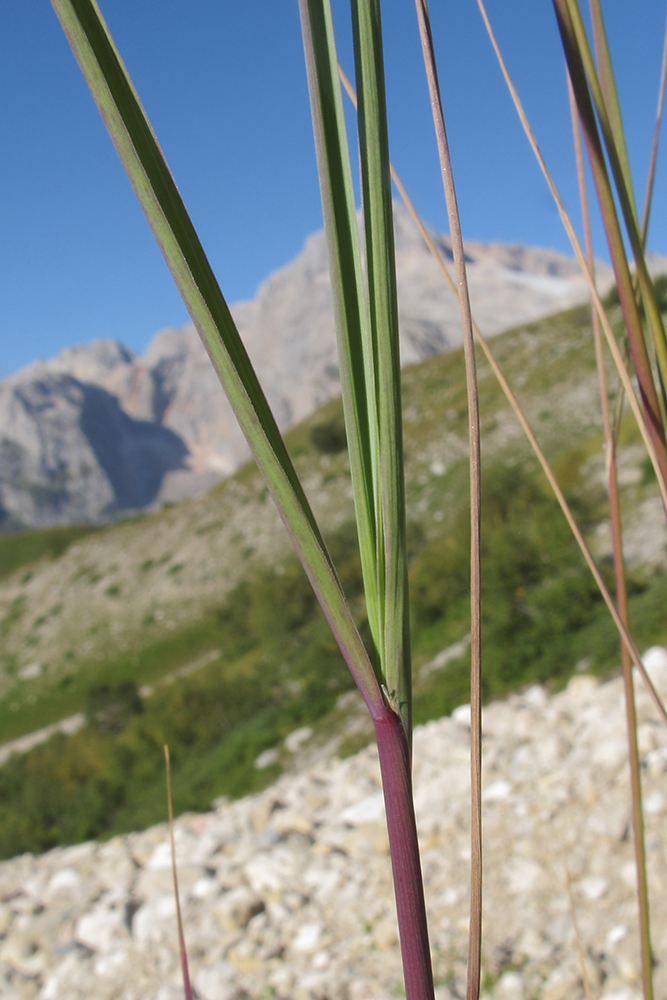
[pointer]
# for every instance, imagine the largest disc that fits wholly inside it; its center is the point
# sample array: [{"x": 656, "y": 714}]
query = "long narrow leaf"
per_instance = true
[
  {"x": 603, "y": 91},
  {"x": 175, "y": 234},
  {"x": 648, "y": 197},
  {"x": 347, "y": 288},
  {"x": 383, "y": 318},
  {"x": 573, "y": 55},
  {"x": 610, "y": 95},
  {"x": 637, "y": 234},
  {"x": 373, "y": 359}
]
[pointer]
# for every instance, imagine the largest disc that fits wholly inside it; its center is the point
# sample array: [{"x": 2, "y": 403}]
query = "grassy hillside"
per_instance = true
[{"x": 202, "y": 607}]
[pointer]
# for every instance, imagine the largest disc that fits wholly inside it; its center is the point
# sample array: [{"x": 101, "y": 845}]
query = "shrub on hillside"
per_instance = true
[{"x": 329, "y": 437}]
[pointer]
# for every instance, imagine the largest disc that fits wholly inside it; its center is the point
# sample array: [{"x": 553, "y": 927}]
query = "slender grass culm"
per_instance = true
[
  {"x": 363, "y": 284},
  {"x": 610, "y": 436},
  {"x": 187, "y": 989},
  {"x": 475, "y": 932}
]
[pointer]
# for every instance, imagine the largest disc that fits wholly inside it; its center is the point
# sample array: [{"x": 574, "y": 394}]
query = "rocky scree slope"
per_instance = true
[
  {"x": 112, "y": 594},
  {"x": 98, "y": 430},
  {"x": 288, "y": 893}
]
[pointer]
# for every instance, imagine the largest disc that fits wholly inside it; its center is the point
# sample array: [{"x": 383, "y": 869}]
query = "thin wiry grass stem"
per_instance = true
[
  {"x": 638, "y": 824},
  {"x": 187, "y": 989},
  {"x": 528, "y": 431},
  {"x": 581, "y": 260},
  {"x": 621, "y": 589},
  {"x": 577, "y": 936},
  {"x": 654, "y": 145},
  {"x": 574, "y": 527},
  {"x": 475, "y": 933}
]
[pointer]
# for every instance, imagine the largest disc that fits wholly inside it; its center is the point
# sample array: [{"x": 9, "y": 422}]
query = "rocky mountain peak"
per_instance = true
[{"x": 289, "y": 332}]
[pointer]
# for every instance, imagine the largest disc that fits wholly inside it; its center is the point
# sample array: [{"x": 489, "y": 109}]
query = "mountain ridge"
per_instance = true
[{"x": 174, "y": 431}]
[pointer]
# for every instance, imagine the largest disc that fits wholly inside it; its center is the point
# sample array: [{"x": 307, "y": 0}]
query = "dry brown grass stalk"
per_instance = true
[
  {"x": 187, "y": 989},
  {"x": 475, "y": 932},
  {"x": 621, "y": 588}
]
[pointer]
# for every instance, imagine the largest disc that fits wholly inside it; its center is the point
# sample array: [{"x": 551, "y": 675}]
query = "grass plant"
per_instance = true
[{"x": 365, "y": 306}]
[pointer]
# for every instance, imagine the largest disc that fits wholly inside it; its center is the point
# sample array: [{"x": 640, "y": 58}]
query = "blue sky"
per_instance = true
[{"x": 224, "y": 86}]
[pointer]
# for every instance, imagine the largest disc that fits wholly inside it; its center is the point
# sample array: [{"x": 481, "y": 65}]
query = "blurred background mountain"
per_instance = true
[{"x": 98, "y": 431}]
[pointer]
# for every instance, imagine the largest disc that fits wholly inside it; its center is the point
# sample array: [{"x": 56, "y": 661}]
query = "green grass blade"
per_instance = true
[
  {"x": 347, "y": 286},
  {"x": 171, "y": 225},
  {"x": 605, "y": 100},
  {"x": 603, "y": 90},
  {"x": 605, "y": 197},
  {"x": 610, "y": 95},
  {"x": 650, "y": 179},
  {"x": 383, "y": 316}
]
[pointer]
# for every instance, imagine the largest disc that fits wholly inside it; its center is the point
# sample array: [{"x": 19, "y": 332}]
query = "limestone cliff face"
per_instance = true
[
  {"x": 98, "y": 430},
  {"x": 69, "y": 452}
]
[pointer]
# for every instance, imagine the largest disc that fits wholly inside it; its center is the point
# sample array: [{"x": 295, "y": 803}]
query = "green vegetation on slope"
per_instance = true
[
  {"x": 201, "y": 603},
  {"x": 27, "y": 547},
  {"x": 131, "y": 601},
  {"x": 279, "y": 668}
]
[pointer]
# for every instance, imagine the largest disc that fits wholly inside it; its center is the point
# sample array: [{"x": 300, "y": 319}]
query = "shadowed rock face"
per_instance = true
[
  {"x": 135, "y": 455},
  {"x": 69, "y": 452},
  {"x": 98, "y": 430}
]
